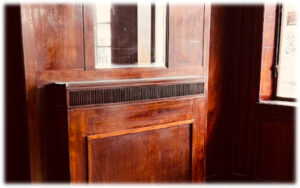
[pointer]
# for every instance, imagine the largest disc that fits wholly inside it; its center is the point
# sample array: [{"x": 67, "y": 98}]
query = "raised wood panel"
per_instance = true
[
  {"x": 55, "y": 32},
  {"x": 275, "y": 150},
  {"x": 132, "y": 118},
  {"x": 160, "y": 155},
  {"x": 119, "y": 117},
  {"x": 272, "y": 143},
  {"x": 185, "y": 43}
]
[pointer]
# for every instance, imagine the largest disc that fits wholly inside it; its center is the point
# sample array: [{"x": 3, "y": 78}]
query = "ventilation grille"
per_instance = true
[{"x": 133, "y": 93}]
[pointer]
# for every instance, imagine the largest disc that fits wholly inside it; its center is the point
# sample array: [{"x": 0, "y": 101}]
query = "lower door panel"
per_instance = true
[{"x": 161, "y": 154}]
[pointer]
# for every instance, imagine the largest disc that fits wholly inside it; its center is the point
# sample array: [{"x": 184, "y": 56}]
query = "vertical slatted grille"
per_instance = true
[{"x": 133, "y": 93}]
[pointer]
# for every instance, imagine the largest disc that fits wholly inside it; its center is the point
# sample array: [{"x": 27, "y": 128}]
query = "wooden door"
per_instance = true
[{"x": 63, "y": 40}]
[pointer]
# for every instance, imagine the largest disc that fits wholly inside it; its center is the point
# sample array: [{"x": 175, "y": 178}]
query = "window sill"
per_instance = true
[{"x": 279, "y": 103}]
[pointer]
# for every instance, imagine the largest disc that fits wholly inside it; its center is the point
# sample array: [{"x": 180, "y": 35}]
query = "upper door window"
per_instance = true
[{"x": 130, "y": 35}]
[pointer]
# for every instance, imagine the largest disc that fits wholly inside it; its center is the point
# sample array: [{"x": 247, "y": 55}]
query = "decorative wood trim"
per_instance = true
[
  {"x": 89, "y": 42},
  {"x": 138, "y": 130},
  {"x": 133, "y": 93}
]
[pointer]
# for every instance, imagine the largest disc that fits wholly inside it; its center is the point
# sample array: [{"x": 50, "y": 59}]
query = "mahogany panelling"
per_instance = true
[
  {"x": 131, "y": 115},
  {"x": 267, "y": 61},
  {"x": 52, "y": 40},
  {"x": 77, "y": 147},
  {"x": 199, "y": 140},
  {"x": 89, "y": 36},
  {"x": 206, "y": 44},
  {"x": 56, "y": 41},
  {"x": 266, "y": 79},
  {"x": 48, "y": 77},
  {"x": 160, "y": 155},
  {"x": 133, "y": 118},
  {"x": 275, "y": 150},
  {"x": 269, "y": 26},
  {"x": 272, "y": 139},
  {"x": 186, "y": 44},
  {"x": 55, "y": 32}
]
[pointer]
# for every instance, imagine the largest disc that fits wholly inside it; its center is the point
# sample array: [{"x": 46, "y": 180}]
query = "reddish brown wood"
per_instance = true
[
  {"x": 138, "y": 130},
  {"x": 91, "y": 128},
  {"x": 127, "y": 120},
  {"x": 100, "y": 118},
  {"x": 55, "y": 32},
  {"x": 62, "y": 39},
  {"x": 186, "y": 45},
  {"x": 52, "y": 40},
  {"x": 199, "y": 140},
  {"x": 77, "y": 147},
  {"x": 89, "y": 37},
  {"x": 206, "y": 45},
  {"x": 268, "y": 51},
  {"x": 157, "y": 155},
  {"x": 48, "y": 77}
]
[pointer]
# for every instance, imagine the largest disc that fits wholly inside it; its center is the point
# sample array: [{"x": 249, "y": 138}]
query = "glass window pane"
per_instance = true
[
  {"x": 130, "y": 35},
  {"x": 286, "y": 84}
]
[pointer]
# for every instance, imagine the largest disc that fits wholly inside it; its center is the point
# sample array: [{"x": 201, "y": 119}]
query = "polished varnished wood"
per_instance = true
[
  {"x": 268, "y": 53},
  {"x": 137, "y": 156},
  {"x": 52, "y": 40},
  {"x": 56, "y": 32},
  {"x": 64, "y": 41},
  {"x": 163, "y": 138},
  {"x": 183, "y": 41},
  {"x": 131, "y": 118},
  {"x": 89, "y": 37}
]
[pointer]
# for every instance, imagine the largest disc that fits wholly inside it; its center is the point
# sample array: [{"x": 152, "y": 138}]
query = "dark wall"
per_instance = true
[
  {"x": 16, "y": 139},
  {"x": 234, "y": 56},
  {"x": 221, "y": 18},
  {"x": 248, "y": 140}
]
